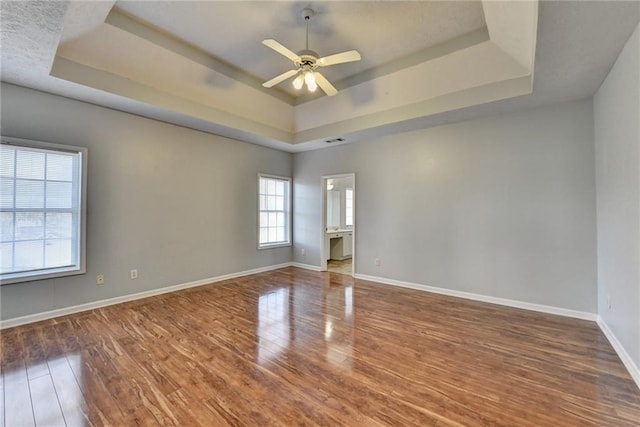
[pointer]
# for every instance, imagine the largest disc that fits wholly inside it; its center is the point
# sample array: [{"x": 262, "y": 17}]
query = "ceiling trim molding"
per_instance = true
[
  {"x": 513, "y": 27},
  {"x": 103, "y": 80},
  {"x": 125, "y": 22},
  {"x": 397, "y": 117},
  {"x": 465, "y": 41}
]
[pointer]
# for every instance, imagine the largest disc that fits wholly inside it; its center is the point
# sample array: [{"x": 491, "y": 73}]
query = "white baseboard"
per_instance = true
[
  {"x": 634, "y": 371},
  {"x": 484, "y": 298},
  {"x": 306, "y": 266},
  {"x": 622, "y": 353},
  {"x": 23, "y": 320}
]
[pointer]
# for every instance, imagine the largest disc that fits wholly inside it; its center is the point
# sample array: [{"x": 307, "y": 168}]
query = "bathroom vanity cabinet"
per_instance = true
[{"x": 339, "y": 244}]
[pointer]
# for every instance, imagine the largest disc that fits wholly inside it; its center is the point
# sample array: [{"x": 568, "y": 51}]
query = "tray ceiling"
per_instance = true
[
  {"x": 201, "y": 64},
  {"x": 232, "y": 31}
]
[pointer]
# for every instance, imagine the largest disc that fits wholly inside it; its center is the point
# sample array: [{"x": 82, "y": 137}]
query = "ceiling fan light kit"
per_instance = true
[
  {"x": 298, "y": 82},
  {"x": 306, "y": 62}
]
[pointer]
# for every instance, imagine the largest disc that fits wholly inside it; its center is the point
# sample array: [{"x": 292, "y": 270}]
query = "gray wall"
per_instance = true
[
  {"x": 617, "y": 141},
  {"x": 503, "y": 206},
  {"x": 176, "y": 204}
]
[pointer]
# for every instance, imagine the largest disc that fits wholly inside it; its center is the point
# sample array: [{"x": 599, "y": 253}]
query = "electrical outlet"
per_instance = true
[
  {"x": 100, "y": 279},
  {"x": 377, "y": 262},
  {"x": 134, "y": 274},
  {"x": 303, "y": 252}
]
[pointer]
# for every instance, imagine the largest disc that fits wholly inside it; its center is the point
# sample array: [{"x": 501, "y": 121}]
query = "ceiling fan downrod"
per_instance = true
[{"x": 307, "y": 13}]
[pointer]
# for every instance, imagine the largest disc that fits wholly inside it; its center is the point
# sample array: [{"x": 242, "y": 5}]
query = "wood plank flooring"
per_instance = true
[{"x": 295, "y": 347}]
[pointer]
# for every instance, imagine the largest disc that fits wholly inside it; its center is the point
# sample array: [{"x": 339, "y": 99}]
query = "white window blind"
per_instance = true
[
  {"x": 274, "y": 222},
  {"x": 41, "y": 210}
]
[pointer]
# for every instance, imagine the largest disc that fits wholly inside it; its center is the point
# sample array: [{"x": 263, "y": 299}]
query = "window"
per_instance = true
[
  {"x": 42, "y": 204},
  {"x": 348, "y": 207},
  {"x": 274, "y": 201}
]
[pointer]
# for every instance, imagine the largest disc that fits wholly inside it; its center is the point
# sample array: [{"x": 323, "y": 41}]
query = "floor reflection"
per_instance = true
[
  {"x": 338, "y": 329},
  {"x": 274, "y": 333},
  {"x": 288, "y": 314},
  {"x": 46, "y": 392}
]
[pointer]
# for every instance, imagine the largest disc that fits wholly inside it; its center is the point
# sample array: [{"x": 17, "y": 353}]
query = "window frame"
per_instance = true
[
  {"x": 346, "y": 207},
  {"x": 80, "y": 267},
  {"x": 287, "y": 212}
]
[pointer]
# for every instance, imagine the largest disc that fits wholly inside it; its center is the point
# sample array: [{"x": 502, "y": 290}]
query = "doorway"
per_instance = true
[{"x": 338, "y": 223}]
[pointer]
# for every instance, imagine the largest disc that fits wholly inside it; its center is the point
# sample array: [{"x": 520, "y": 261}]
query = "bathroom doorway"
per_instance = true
[{"x": 338, "y": 223}]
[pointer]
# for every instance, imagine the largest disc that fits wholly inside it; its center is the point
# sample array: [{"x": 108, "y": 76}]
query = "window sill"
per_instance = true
[
  {"x": 274, "y": 245},
  {"x": 13, "y": 278}
]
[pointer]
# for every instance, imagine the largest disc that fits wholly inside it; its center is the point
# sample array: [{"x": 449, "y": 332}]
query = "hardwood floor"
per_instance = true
[{"x": 295, "y": 347}]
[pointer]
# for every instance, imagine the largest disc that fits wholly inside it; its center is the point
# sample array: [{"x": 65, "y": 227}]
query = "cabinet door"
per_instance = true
[
  {"x": 336, "y": 246},
  {"x": 347, "y": 244}
]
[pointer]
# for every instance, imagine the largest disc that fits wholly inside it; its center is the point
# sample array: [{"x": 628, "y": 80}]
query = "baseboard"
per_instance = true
[
  {"x": 634, "y": 371},
  {"x": 484, "y": 298},
  {"x": 23, "y": 320},
  {"x": 306, "y": 266}
]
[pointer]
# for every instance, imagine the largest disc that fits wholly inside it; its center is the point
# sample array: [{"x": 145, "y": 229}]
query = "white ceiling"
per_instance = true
[
  {"x": 200, "y": 64},
  {"x": 232, "y": 31}
]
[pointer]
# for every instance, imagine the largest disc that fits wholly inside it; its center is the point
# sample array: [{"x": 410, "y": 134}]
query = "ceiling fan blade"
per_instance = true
[
  {"x": 339, "y": 58},
  {"x": 324, "y": 84},
  {"x": 280, "y": 49},
  {"x": 282, "y": 77}
]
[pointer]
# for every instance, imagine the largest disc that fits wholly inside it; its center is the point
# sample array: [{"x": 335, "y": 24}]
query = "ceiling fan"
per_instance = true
[{"x": 307, "y": 62}]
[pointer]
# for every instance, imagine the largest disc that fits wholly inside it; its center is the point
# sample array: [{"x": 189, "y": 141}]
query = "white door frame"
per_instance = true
[{"x": 323, "y": 234}]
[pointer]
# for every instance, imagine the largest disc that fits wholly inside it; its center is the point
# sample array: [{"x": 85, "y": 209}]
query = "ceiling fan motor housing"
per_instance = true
[
  {"x": 307, "y": 13},
  {"x": 308, "y": 58}
]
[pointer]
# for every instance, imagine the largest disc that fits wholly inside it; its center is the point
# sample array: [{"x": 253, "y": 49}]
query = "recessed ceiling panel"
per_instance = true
[{"x": 381, "y": 31}]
